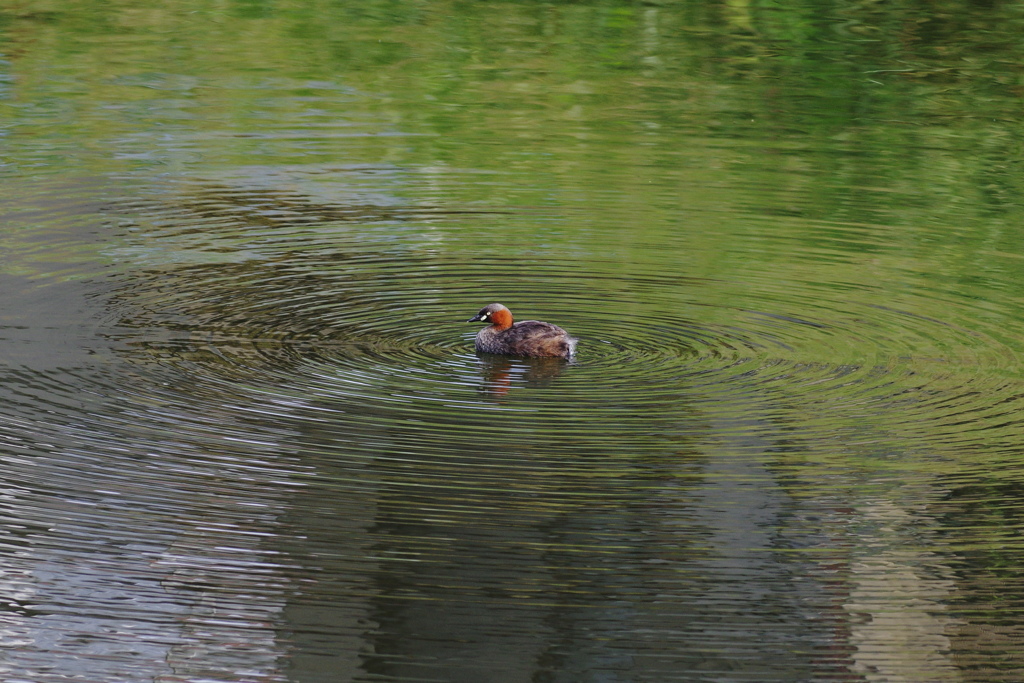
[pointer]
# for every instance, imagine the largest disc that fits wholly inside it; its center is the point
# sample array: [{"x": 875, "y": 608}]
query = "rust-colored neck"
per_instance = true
[{"x": 502, "y": 319}]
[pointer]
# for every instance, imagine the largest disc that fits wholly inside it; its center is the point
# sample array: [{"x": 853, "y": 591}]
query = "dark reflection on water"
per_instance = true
[
  {"x": 487, "y": 554},
  {"x": 501, "y": 373}
]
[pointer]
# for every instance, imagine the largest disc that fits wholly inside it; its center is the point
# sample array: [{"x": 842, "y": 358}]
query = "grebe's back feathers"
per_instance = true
[{"x": 531, "y": 338}]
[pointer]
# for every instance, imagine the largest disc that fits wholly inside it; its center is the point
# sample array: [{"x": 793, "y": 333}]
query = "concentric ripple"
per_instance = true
[{"x": 310, "y": 306}]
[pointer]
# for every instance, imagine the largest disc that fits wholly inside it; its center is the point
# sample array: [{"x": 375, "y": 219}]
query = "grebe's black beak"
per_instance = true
[{"x": 475, "y": 319}]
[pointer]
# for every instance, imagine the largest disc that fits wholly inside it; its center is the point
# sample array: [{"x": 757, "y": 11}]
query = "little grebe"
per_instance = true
[{"x": 528, "y": 338}]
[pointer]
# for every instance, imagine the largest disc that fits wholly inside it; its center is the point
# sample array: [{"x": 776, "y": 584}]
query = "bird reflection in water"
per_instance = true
[{"x": 502, "y": 373}]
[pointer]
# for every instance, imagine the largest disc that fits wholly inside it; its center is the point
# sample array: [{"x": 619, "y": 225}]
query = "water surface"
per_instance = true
[{"x": 245, "y": 435}]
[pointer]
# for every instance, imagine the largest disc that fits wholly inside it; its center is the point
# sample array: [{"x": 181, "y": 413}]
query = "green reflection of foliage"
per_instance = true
[{"x": 847, "y": 123}]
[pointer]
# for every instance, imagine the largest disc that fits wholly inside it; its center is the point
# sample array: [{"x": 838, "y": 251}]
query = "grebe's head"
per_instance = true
[{"x": 496, "y": 314}]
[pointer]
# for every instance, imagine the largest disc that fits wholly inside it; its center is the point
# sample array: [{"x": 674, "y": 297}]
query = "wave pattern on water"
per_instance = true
[{"x": 282, "y": 427}]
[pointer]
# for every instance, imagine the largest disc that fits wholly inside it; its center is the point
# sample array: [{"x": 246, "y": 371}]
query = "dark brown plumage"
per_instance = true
[{"x": 530, "y": 338}]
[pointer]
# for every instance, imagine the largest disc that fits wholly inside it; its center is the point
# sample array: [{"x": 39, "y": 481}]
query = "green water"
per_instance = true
[{"x": 245, "y": 436}]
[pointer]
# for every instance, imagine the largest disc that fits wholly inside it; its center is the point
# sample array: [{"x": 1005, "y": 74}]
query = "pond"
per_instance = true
[{"x": 246, "y": 436}]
